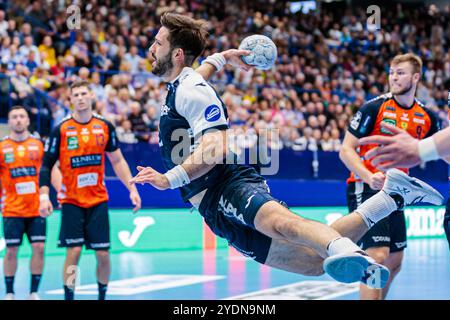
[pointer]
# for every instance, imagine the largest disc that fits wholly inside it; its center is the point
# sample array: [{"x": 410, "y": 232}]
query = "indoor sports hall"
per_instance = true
[{"x": 332, "y": 59}]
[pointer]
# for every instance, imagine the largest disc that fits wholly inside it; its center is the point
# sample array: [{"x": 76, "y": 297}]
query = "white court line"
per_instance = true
[
  {"x": 306, "y": 289},
  {"x": 143, "y": 284}
]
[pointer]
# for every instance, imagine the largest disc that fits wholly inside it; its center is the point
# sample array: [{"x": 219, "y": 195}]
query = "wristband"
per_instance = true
[
  {"x": 428, "y": 150},
  {"x": 217, "y": 60},
  {"x": 177, "y": 177},
  {"x": 44, "y": 197}
]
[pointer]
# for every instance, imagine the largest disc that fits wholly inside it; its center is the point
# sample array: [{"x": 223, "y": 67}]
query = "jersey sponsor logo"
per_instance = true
[
  {"x": 420, "y": 121},
  {"x": 71, "y": 133},
  {"x": 400, "y": 245},
  {"x": 23, "y": 172},
  {"x": 85, "y": 135},
  {"x": 9, "y": 157},
  {"x": 418, "y": 114},
  {"x": 390, "y": 121},
  {"x": 87, "y": 179},
  {"x": 72, "y": 143},
  {"x": 86, "y": 161},
  {"x": 381, "y": 239},
  {"x": 21, "y": 151},
  {"x": 165, "y": 110},
  {"x": 365, "y": 124},
  {"x": 229, "y": 210},
  {"x": 390, "y": 114},
  {"x": 98, "y": 131},
  {"x": 212, "y": 113},
  {"x": 33, "y": 147},
  {"x": 356, "y": 120},
  {"x": 71, "y": 128},
  {"x": 390, "y": 108},
  {"x": 404, "y": 125},
  {"x": 25, "y": 188}
]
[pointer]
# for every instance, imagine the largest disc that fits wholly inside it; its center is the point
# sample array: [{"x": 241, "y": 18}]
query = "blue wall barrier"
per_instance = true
[{"x": 294, "y": 183}]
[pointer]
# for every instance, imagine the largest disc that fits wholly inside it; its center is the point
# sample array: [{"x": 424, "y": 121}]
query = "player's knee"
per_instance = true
[
  {"x": 287, "y": 227},
  {"x": 38, "y": 249},
  {"x": 11, "y": 253},
  {"x": 74, "y": 252},
  {"x": 379, "y": 256},
  {"x": 102, "y": 256}
]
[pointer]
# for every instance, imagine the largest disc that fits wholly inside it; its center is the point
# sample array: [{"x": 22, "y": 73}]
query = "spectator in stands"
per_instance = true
[{"x": 124, "y": 132}]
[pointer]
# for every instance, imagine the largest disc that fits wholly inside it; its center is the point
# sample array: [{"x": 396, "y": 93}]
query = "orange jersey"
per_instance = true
[
  {"x": 417, "y": 120},
  {"x": 80, "y": 149},
  {"x": 20, "y": 163}
]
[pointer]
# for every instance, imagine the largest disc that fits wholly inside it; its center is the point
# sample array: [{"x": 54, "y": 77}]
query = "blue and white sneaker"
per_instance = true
[
  {"x": 411, "y": 190},
  {"x": 356, "y": 266}
]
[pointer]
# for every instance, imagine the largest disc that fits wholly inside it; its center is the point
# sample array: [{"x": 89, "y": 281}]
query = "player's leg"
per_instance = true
[
  {"x": 36, "y": 230},
  {"x": 394, "y": 263},
  {"x": 98, "y": 239},
  {"x": 380, "y": 255},
  {"x": 72, "y": 237},
  {"x": 13, "y": 229}
]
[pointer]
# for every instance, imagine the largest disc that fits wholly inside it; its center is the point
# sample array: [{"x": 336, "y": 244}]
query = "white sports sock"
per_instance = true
[
  {"x": 376, "y": 208},
  {"x": 341, "y": 245}
]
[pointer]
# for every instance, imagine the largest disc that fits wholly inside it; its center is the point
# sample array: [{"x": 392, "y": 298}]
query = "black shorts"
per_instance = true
[
  {"x": 84, "y": 226},
  {"x": 388, "y": 232},
  {"x": 14, "y": 229},
  {"x": 230, "y": 208}
]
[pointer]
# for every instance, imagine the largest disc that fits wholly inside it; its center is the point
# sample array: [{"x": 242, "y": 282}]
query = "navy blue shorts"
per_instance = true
[
  {"x": 230, "y": 208},
  {"x": 14, "y": 229},
  {"x": 388, "y": 232},
  {"x": 84, "y": 226}
]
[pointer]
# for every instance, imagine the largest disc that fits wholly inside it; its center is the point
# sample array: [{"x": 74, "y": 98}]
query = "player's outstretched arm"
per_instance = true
[
  {"x": 402, "y": 150},
  {"x": 216, "y": 62},
  {"x": 210, "y": 151},
  {"x": 120, "y": 167}
]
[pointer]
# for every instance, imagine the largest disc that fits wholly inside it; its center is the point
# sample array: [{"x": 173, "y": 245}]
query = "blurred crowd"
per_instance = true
[{"x": 329, "y": 63}]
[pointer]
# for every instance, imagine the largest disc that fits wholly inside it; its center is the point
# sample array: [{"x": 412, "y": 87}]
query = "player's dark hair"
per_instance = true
[
  {"x": 17, "y": 107},
  {"x": 185, "y": 33}
]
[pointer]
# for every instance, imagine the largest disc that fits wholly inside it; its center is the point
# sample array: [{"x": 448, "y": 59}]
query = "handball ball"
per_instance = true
[{"x": 264, "y": 51}]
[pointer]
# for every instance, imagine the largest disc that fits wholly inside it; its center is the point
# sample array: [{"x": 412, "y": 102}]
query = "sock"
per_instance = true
[
  {"x": 102, "y": 290},
  {"x": 341, "y": 245},
  {"x": 35, "y": 281},
  {"x": 376, "y": 208},
  {"x": 69, "y": 293},
  {"x": 9, "y": 283}
]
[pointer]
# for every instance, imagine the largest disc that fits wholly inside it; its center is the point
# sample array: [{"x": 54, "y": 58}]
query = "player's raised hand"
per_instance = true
[
  {"x": 135, "y": 200},
  {"x": 45, "y": 208},
  {"x": 234, "y": 58},
  {"x": 399, "y": 150},
  {"x": 151, "y": 176}
]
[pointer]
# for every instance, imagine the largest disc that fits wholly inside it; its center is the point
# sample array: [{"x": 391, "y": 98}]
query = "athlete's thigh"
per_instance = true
[{"x": 294, "y": 258}]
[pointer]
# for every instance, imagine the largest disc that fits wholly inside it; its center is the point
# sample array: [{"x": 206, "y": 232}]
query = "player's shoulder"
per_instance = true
[
  {"x": 378, "y": 101},
  {"x": 62, "y": 122},
  {"x": 4, "y": 139},
  {"x": 102, "y": 119},
  {"x": 35, "y": 138},
  {"x": 190, "y": 82}
]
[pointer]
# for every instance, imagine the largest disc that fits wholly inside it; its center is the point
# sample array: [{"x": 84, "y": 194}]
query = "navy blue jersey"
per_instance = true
[{"x": 192, "y": 107}]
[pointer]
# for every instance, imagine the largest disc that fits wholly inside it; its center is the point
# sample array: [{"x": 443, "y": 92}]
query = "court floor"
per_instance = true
[{"x": 224, "y": 274}]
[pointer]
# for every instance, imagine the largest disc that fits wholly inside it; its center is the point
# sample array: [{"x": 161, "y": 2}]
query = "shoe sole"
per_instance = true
[
  {"x": 399, "y": 177},
  {"x": 354, "y": 267}
]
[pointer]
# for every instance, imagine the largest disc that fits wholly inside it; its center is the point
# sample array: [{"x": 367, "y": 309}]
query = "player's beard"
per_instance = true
[
  {"x": 404, "y": 90},
  {"x": 163, "y": 66}
]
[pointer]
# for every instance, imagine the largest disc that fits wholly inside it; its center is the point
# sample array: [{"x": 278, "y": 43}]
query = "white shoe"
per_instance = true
[
  {"x": 412, "y": 190},
  {"x": 34, "y": 296},
  {"x": 356, "y": 266},
  {"x": 9, "y": 296}
]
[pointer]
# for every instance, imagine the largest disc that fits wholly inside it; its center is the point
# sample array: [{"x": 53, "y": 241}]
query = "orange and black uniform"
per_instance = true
[
  {"x": 80, "y": 149},
  {"x": 420, "y": 123},
  {"x": 20, "y": 162}
]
